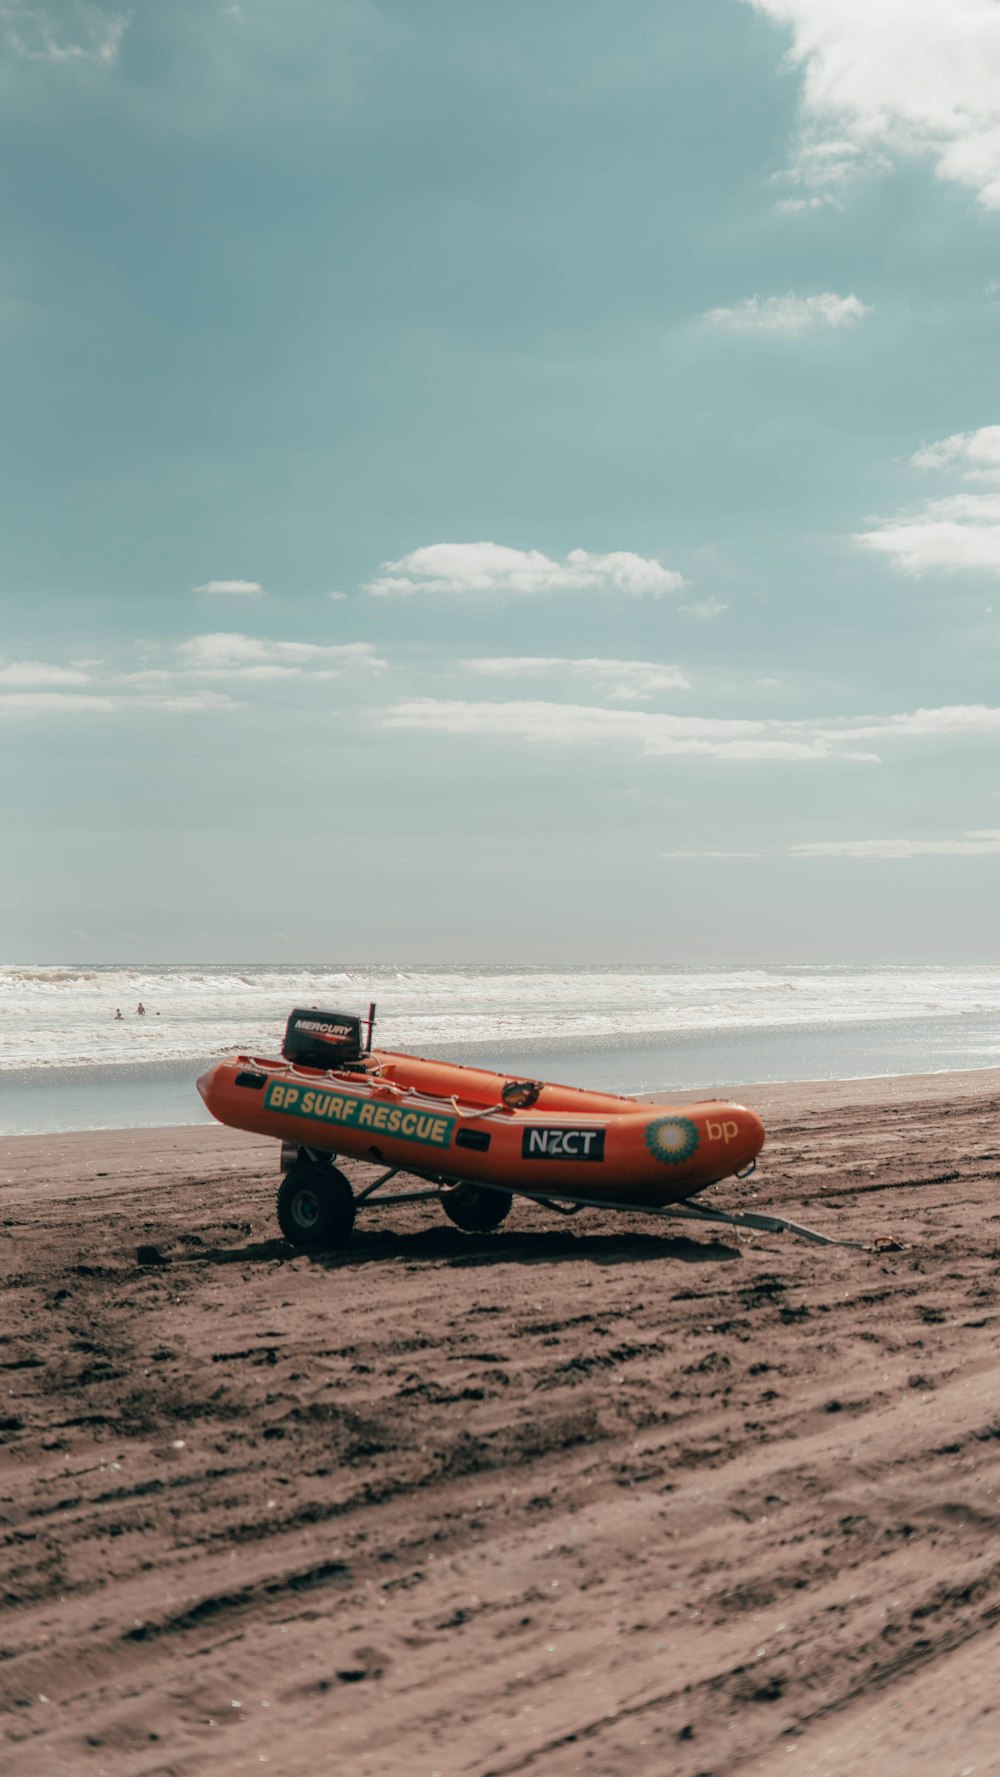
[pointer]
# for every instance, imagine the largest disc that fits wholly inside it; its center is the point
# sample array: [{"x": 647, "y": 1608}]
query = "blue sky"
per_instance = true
[{"x": 514, "y": 483}]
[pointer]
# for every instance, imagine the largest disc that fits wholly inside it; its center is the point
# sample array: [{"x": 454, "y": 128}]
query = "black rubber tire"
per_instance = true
[
  {"x": 315, "y": 1205},
  {"x": 476, "y": 1209}
]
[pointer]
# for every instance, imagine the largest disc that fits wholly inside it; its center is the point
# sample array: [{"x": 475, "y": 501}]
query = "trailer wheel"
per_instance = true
[
  {"x": 315, "y": 1205},
  {"x": 476, "y": 1210}
]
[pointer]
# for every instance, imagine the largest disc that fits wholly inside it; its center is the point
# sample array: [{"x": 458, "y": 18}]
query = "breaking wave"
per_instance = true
[{"x": 64, "y": 1015}]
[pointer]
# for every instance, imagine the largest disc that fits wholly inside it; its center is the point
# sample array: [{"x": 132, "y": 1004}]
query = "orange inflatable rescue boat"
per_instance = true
[{"x": 473, "y": 1138}]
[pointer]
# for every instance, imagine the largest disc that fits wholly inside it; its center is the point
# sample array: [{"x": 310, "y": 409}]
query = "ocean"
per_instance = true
[{"x": 67, "y": 1063}]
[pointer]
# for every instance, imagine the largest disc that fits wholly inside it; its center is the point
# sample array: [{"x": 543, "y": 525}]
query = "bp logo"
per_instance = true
[{"x": 672, "y": 1138}]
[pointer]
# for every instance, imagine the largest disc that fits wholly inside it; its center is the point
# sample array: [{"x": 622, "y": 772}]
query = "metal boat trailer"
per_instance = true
[{"x": 317, "y": 1204}]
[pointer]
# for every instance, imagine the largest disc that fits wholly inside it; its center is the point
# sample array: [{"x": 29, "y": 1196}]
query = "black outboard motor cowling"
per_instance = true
[{"x": 322, "y": 1039}]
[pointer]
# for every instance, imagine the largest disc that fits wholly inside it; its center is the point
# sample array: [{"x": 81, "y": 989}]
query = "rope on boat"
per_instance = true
[{"x": 473, "y": 1110}]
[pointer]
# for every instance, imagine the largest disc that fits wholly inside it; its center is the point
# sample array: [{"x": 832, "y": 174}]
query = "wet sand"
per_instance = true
[{"x": 589, "y": 1496}]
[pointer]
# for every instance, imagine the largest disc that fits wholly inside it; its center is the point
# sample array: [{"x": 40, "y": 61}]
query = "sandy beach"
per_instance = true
[{"x": 573, "y": 1497}]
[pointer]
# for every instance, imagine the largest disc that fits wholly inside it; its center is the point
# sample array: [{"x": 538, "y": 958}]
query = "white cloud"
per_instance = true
[
  {"x": 887, "y": 80},
  {"x": 84, "y": 32},
  {"x": 956, "y": 531},
  {"x": 495, "y": 568},
  {"x": 241, "y": 588},
  {"x": 182, "y": 702},
  {"x": 789, "y": 314},
  {"x": 649, "y": 733},
  {"x": 932, "y": 543},
  {"x": 625, "y": 679},
  {"x": 35, "y": 673},
  {"x": 977, "y": 454},
  {"x": 560, "y": 724},
  {"x": 58, "y": 703},
  {"x": 978, "y": 843},
  {"x": 69, "y": 703},
  {"x": 795, "y": 206},
  {"x": 229, "y": 656},
  {"x": 949, "y": 720},
  {"x": 706, "y": 609}
]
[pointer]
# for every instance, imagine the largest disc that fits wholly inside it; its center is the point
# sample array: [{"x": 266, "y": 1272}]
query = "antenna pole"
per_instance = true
[{"x": 371, "y": 1022}]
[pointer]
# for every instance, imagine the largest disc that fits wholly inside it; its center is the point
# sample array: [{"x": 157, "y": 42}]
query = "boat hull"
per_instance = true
[{"x": 449, "y": 1123}]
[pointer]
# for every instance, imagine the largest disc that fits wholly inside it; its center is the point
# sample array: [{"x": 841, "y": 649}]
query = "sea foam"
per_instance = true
[{"x": 63, "y": 1014}]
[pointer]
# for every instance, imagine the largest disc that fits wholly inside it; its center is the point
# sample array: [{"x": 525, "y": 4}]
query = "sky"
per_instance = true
[{"x": 503, "y": 483}]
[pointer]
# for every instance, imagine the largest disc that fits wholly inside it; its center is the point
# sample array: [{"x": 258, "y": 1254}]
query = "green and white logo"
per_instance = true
[
  {"x": 672, "y": 1138},
  {"x": 347, "y": 1108}
]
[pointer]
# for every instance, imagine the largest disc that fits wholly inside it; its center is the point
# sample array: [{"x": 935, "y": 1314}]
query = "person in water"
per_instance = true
[
  {"x": 118, "y": 1011},
  {"x": 140, "y": 1010}
]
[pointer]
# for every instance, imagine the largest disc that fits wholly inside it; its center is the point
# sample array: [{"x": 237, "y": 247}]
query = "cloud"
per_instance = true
[
  {"x": 58, "y": 703},
  {"x": 234, "y": 656},
  {"x": 706, "y": 609},
  {"x": 84, "y": 33},
  {"x": 242, "y": 588},
  {"x": 936, "y": 543},
  {"x": 789, "y": 315},
  {"x": 955, "y": 532},
  {"x": 657, "y": 734},
  {"x": 795, "y": 206},
  {"x": 492, "y": 568},
  {"x": 182, "y": 702},
  {"x": 68, "y": 703},
  {"x": 949, "y": 720},
  {"x": 35, "y": 673},
  {"x": 561, "y": 725},
  {"x": 976, "y": 453},
  {"x": 891, "y": 80},
  {"x": 625, "y": 679},
  {"x": 978, "y": 843}
]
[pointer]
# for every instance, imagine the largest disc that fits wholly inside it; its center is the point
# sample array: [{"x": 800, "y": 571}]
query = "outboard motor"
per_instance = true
[{"x": 322, "y": 1039}]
